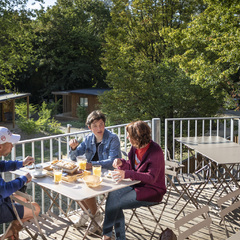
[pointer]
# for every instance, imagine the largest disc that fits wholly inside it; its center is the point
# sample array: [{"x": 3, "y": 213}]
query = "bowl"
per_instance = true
[{"x": 92, "y": 180}]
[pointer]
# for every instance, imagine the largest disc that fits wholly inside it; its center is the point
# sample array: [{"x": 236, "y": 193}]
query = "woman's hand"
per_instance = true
[
  {"x": 117, "y": 163},
  {"x": 118, "y": 175},
  {"x": 73, "y": 144}
]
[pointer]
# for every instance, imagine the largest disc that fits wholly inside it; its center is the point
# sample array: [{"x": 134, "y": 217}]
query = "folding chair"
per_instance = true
[
  {"x": 235, "y": 236},
  {"x": 171, "y": 169},
  {"x": 197, "y": 220},
  {"x": 43, "y": 225},
  {"x": 228, "y": 204},
  {"x": 192, "y": 185}
]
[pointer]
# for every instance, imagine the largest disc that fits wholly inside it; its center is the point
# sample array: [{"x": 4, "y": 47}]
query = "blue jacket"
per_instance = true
[
  {"x": 108, "y": 150},
  {"x": 8, "y": 188}
]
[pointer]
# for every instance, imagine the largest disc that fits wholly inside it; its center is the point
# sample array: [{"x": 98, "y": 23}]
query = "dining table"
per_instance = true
[
  {"x": 222, "y": 155},
  {"x": 76, "y": 191}
]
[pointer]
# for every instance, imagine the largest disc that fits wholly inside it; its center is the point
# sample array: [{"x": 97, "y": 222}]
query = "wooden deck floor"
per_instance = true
[{"x": 135, "y": 231}]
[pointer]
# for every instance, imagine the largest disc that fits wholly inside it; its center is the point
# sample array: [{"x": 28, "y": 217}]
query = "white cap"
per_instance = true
[{"x": 7, "y": 136}]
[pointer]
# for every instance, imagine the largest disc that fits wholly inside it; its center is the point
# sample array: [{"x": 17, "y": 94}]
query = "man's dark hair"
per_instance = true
[{"x": 95, "y": 115}]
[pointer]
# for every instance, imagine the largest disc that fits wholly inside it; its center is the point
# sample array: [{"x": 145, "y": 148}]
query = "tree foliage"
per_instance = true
[
  {"x": 209, "y": 48},
  {"x": 67, "y": 47},
  {"x": 54, "y": 49},
  {"x": 15, "y": 40},
  {"x": 138, "y": 52}
]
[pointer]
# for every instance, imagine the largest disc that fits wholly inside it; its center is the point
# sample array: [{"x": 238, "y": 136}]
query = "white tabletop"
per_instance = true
[
  {"x": 78, "y": 191},
  {"x": 218, "y": 149}
]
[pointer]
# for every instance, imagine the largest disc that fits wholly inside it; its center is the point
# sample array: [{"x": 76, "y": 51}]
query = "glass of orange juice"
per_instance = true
[
  {"x": 82, "y": 162},
  {"x": 57, "y": 173},
  {"x": 97, "y": 170}
]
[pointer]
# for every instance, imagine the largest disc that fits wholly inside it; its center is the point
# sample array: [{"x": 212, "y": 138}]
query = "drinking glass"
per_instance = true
[
  {"x": 97, "y": 170},
  {"x": 57, "y": 172},
  {"x": 82, "y": 162}
]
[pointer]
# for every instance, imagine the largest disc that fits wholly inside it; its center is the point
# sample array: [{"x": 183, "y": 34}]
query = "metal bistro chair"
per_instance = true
[
  {"x": 171, "y": 169},
  {"x": 191, "y": 186},
  {"x": 43, "y": 225},
  {"x": 200, "y": 216},
  {"x": 227, "y": 205}
]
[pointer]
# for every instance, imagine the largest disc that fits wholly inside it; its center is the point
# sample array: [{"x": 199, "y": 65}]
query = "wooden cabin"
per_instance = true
[
  {"x": 7, "y": 105},
  {"x": 87, "y": 97}
]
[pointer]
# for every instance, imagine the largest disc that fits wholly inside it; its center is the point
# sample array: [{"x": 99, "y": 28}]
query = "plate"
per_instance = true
[
  {"x": 108, "y": 174},
  {"x": 39, "y": 175}
]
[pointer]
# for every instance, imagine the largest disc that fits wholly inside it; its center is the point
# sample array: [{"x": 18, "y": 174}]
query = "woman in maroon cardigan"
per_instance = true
[{"x": 146, "y": 164}]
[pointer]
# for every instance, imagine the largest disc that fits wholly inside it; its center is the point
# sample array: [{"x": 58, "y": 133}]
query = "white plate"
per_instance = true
[
  {"x": 108, "y": 174},
  {"x": 39, "y": 175}
]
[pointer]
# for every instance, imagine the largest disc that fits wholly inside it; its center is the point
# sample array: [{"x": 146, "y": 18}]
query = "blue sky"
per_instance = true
[{"x": 37, "y": 6}]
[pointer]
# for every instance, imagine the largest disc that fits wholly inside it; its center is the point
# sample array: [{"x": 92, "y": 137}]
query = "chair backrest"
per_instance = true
[
  {"x": 171, "y": 168},
  {"x": 197, "y": 215},
  {"x": 227, "y": 208},
  {"x": 227, "y": 204},
  {"x": 27, "y": 204}
]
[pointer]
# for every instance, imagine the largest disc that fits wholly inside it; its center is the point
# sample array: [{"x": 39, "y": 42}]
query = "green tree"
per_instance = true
[
  {"x": 209, "y": 48},
  {"x": 16, "y": 40},
  {"x": 138, "y": 52},
  {"x": 68, "y": 46}
]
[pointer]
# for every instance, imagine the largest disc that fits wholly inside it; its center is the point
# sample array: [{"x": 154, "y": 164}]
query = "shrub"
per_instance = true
[
  {"x": 82, "y": 113},
  {"x": 44, "y": 123}
]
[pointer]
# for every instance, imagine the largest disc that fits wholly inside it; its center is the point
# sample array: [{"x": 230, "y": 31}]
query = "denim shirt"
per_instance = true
[{"x": 108, "y": 149}]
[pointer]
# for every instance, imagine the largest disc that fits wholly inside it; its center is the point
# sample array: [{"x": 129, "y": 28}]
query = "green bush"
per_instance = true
[
  {"x": 44, "y": 123},
  {"x": 82, "y": 113}
]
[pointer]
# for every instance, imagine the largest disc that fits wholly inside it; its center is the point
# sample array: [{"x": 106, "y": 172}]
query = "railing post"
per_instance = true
[
  {"x": 69, "y": 128},
  {"x": 156, "y": 130}
]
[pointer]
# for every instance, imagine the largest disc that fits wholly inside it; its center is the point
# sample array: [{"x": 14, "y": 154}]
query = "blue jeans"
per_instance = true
[{"x": 118, "y": 200}]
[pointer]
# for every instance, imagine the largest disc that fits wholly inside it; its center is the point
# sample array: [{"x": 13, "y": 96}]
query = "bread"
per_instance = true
[{"x": 65, "y": 164}]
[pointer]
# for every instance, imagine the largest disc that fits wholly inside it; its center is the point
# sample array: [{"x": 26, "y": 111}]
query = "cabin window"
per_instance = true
[{"x": 84, "y": 102}]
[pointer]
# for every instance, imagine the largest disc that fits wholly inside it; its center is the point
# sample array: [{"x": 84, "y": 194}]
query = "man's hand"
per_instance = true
[
  {"x": 73, "y": 144},
  {"x": 88, "y": 166},
  {"x": 117, "y": 163},
  {"x": 28, "y": 161},
  {"x": 29, "y": 177}
]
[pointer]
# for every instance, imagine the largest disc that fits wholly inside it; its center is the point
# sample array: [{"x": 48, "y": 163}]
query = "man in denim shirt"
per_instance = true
[{"x": 100, "y": 147}]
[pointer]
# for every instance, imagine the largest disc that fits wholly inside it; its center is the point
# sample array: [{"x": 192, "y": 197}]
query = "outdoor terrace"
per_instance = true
[
  {"x": 48, "y": 148},
  {"x": 137, "y": 232}
]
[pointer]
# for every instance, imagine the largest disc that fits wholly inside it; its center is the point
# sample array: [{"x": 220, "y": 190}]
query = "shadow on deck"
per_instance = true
[{"x": 135, "y": 231}]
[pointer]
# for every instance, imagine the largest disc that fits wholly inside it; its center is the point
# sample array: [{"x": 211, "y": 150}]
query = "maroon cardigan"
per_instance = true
[{"x": 151, "y": 173}]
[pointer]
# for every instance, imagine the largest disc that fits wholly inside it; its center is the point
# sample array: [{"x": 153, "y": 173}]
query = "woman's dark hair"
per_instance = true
[
  {"x": 95, "y": 115},
  {"x": 140, "y": 133}
]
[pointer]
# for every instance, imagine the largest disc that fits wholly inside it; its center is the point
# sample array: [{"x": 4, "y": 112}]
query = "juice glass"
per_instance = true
[
  {"x": 82, "y": 162},
  {"x": 97, "y": 170},
  {"x": 57, "y": 173}
]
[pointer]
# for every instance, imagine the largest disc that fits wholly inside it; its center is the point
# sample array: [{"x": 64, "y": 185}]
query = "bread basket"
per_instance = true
[{"x": 92, "y": 180}]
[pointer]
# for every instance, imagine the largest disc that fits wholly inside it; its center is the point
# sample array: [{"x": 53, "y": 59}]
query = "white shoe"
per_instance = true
[
  {"x": 82, "y": 219},
  {"x": 98, "y": 218}
]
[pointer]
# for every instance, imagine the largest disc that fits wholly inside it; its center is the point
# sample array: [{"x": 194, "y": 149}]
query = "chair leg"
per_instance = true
[
  {"x": 4, "y": 235},
  {"x": 139, "y": 220},
  {"x": 133, "y": 210},
  {"x": 65, "y": 233}
]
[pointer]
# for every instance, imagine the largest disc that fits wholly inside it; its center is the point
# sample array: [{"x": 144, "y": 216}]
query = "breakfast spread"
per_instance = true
[{"x": 65, "y": 164}]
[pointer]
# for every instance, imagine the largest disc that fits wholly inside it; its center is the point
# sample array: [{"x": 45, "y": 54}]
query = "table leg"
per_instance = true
[{"x": 92, "y": 217}]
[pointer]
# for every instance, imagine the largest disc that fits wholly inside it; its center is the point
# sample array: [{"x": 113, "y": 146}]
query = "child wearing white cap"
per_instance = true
[{"x": 7, "y": 139}]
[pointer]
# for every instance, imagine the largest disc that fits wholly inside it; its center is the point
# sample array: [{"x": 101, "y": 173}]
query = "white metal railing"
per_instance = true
[
  {"x": 48, "y": 148},
  {"x": 227, "y": 127}
]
